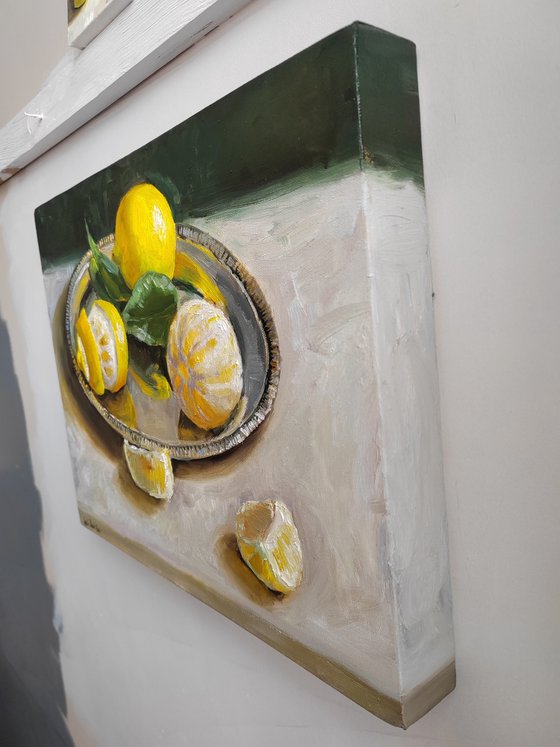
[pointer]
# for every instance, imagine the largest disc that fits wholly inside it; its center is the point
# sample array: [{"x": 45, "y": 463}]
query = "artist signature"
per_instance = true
[{"x": 91, "y": 525}]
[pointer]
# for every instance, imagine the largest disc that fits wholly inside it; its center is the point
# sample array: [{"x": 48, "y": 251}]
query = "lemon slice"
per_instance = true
[
  {"x": 102, "y": 348},
  {"x": 204, "y": 363},
  {"x": 151, "y": 470},
  {"x": 269, "y": 543},
  {"x": 87, "y": 354}
]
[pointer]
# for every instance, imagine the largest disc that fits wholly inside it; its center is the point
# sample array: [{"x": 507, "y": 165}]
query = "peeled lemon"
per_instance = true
[
  {"x": 151, "y": 470},
  {"x": 102, "y": 348},
  {"x": 144, "y": 234},
  {"x": 269, "y": 543},
  {"x": 204, "y": 363}
]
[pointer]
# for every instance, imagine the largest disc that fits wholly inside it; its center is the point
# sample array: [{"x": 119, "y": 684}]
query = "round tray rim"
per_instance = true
[{"x": 220, "y": 445}]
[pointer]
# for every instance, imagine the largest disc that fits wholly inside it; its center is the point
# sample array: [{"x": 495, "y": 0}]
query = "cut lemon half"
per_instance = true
[
  {"x": 151, "y": 470},
  {"x": 269, "y": 543},
  {"x": 102, "y": 348}
]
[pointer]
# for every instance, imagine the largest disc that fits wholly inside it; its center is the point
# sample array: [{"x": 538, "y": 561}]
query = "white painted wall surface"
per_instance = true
[
  {"x": 146, "y": 665},
  {"x": 32, "y": 41}
]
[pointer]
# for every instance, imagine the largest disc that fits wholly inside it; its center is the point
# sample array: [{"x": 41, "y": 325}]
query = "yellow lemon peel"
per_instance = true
[
  {"x": 102, "y": 347},
  {"x": 187, "y": 270},
  {"x": 121, "y": 405},
  {"x": 87, "y": 354},
  {"x": 156, "y": 387},
  {"x": 144, "y": 234}
]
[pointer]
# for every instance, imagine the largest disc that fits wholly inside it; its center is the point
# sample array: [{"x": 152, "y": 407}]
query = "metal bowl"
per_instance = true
[{"x": 160, "y": 423}]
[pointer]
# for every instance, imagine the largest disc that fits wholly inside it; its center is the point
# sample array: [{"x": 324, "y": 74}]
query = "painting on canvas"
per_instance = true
[
  {"x": 87, "y": 18},
  {"x": 242, "y": 321}
]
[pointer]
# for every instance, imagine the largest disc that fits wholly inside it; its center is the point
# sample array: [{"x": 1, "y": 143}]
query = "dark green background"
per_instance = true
[{"x": 353, "y": 95}]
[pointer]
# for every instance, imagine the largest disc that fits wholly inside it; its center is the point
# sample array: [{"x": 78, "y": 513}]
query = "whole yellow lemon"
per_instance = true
[{"x": 144, "y": 234}]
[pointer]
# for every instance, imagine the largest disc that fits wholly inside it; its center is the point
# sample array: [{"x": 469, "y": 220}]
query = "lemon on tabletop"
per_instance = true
[
  {"x": 269, "y": 543},
  {"x": 204, "y": 363},
  {"x": 144, "y": 234},
  {"x": 151, "y": 470},
  {"x": 102, "y": 347}
]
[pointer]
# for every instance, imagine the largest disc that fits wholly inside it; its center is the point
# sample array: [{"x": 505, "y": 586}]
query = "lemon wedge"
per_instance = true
[
  {"x": 204, "y": 363},
  {"x": 144, "y": 234},
  {"x": 151, "y": 470},
  {"x": 269, "y": 544},
  {"x": 87, "y": 354},
  {"x": 102, "y": 348}
]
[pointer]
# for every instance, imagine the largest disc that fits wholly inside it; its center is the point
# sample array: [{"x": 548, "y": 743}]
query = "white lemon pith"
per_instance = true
[
  {"x": 102, "y": 347},
  {"x": 204, "y": 364},
  {"x": 151, "y": 470},
  {"x": 269, "y": 543},
  {"x": 109, "y": 332}
]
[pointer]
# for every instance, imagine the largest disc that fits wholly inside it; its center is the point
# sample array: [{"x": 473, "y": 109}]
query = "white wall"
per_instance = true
[
  {"x": 32, "y": 41},
  {"x": 143, "y": 663}
]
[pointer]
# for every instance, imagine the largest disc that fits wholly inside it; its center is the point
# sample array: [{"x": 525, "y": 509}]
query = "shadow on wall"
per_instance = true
[{"x": 32, "y": 701}]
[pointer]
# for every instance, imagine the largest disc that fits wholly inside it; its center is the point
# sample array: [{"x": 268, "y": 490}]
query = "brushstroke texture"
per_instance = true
[{"x": 296, "y": 119}]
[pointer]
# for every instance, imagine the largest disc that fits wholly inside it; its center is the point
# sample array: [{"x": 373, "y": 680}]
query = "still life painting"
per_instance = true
[
  {"x": 87, "y": 18},
  {"x": 242, "y": 323}
]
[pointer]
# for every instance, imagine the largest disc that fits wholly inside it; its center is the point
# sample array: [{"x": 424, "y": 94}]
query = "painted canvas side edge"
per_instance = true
[
  {"x": 388, "y": 104},
  {"x": 404, "y": 353},
  {"x": 405, "y": 367}
]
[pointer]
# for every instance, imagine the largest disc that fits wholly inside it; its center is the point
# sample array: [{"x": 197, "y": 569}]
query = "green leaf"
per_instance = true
[
  {"x": 151, "y": 308},
  {"x": 105, "y": 276}
]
